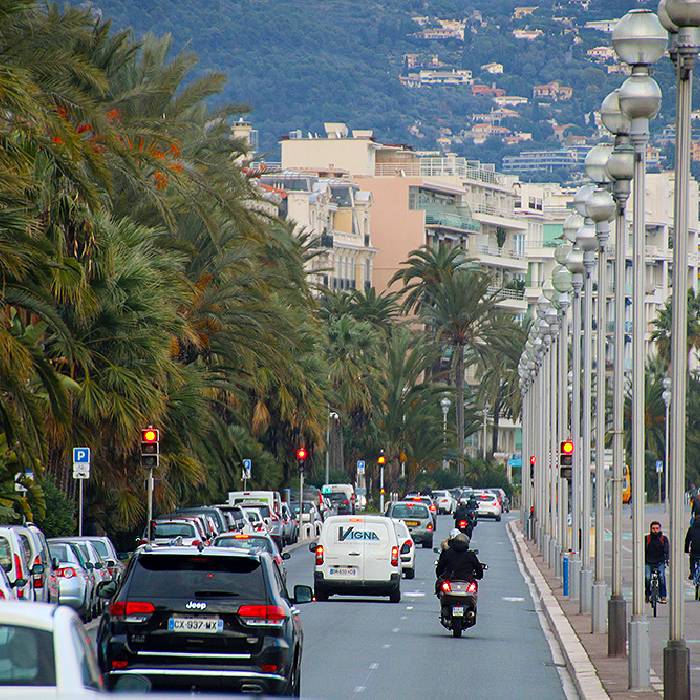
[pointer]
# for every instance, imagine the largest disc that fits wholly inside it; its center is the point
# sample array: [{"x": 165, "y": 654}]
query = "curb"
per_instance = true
[{"x": 581, "y": 670}]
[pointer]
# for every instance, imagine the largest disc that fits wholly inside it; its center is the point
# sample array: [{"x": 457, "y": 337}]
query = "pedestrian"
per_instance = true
[
  {"x": 656, "y": 553},
  {"x": 694, "y": 506},
  {"x": 692, "y": 545}
]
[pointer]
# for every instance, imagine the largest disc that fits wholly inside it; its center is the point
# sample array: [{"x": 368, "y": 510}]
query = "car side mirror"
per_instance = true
[
  {"x": 38, "y": 569},
  {"x": 89, "y": 565},
  {"x": 7, "y": 566},
  {"x": 111, "y": 562},
  {"x": 436, "y": 550},
  {"x": 106, "y": 589},
  {"x": 56, "y": 564},
  {"x": 312, "y": 548},
  {"x": 484, "y": 567},
  {"x": 19, "y": 583},
  {"x": 303, "y": 594},
  {"x": 286, "y": 555},
  {"x": 99, "y": 565}
]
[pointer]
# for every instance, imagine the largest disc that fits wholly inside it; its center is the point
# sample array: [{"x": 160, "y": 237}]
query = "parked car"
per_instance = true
[
  {"x": 45, "y": 652},
  {"x": 105, "y": 548},
  {"x": 14, "y": 558},
  {"x": 44, "y": 584},
  {"x": 290, "y": 529},
  {"x": 407, "y": 549},
  {"x": 92, "y": 562},
  {"x": 76, "y": 587}
]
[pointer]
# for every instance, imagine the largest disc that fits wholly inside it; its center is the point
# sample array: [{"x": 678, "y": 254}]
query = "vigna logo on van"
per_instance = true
[{"x": 352, "y": 534}]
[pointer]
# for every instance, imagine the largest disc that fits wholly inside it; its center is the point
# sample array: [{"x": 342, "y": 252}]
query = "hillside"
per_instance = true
[{"x": 297, "y": 64}]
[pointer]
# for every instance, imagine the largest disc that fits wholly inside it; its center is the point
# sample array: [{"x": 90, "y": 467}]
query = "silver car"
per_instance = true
[
  {"x": 75, "y": 584},
  {"x": 417, "y": 517},
  {"x": 109, "y": 555}
]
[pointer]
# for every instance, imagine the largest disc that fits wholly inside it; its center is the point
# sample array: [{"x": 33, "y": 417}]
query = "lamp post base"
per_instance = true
[
  {"x": 557, "y": 559},
  {"x": 574, "y": 577},
  {"x": 617, "y": 626},
  {"x": 545, "y": 548},
  {"x": 585, "y": 591},
  {"x": 677, "y": 671},
  {"x": 639, "y": 660},
  {"x": 599, "y": 618}
]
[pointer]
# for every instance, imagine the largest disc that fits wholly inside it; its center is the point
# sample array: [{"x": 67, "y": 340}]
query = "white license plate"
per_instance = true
[
  {"x": 342, "y": 571},
  {"x": 457, "y": 611},
  {"x": 195, "y": 624}
]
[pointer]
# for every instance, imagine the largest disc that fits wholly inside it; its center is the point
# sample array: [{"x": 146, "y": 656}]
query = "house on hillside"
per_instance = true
[
  {"x": 493, "y": 68},
  {"x": 520, "y": 12},
  {"x": 510, "y": 100},
  {"x": 487, "y": 91},
  {"x": 553, "y": 90},
  {"x": 528, "y": 34}
]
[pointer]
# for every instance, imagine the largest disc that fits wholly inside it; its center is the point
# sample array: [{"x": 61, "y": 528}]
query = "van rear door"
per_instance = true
[
  {"x": 344, "y": 550},
  {"x": 378, "y": 540}
]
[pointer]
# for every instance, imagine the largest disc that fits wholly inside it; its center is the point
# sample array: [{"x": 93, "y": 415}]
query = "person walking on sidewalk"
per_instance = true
[
  {"x": 656, "y": 550},
  {"x": 692, "y": 544}
]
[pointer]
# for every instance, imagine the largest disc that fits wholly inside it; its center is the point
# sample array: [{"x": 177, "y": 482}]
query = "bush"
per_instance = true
[{"x": 60, "y": 518}]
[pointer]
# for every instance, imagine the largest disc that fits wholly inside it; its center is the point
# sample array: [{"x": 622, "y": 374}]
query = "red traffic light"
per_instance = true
[
  {"x": 532, "y": 460},
  {"x": 150, "y": 435},
  {"x": 302, "y": 454},
  {"x": 567, "y": 447}
]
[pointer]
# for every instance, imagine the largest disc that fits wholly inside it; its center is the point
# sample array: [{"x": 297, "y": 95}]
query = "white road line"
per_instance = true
[
  {"x": 396, "y": 629},
  {"x": 386, "y": 646},
  {"x": 409, "y": 607},
  {"x": 414, "y": 594},
  {"x": 373, "y": 667},
  {"x": 509, "y": 599},
  {"x": 360, "y": 689},
  {"x": 403, "y": 617}
]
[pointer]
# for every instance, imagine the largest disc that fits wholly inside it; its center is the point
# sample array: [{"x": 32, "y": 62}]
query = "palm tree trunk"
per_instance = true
[
  {"x": 459, "y": 412},
  {"x": 496, "y": 420}
]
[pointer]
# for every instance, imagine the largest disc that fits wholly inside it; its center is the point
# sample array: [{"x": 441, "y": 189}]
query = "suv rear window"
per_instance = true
[
  {"x": 260, "y": 507},
  {"x": 409, "y": 511},
  {"x": 165, "y": 530},
  {"x": 181, "y": 576}
]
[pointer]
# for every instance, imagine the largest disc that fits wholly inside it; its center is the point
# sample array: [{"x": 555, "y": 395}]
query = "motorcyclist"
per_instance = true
[
  {"x": 692, "y": 544},
  {"x": 457, "y": 561}
]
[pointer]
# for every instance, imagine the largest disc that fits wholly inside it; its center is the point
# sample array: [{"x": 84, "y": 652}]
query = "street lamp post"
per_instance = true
[
  {"x": 620, "y": 167},
  {"x": 574, "y": 263},
  {"x": 552, "y": 319},
  {"x": 639, "y": 40},
  {"x": 586, "y": 241},
  {"x": 667, "y": 401},
  {"x": 681, "y": 18},
  {"x": 445, "y": 404},
  {"x": 483, "y": 447},
  {"x": 600, "y": 207},
  {"x": 332, "y": 416}
]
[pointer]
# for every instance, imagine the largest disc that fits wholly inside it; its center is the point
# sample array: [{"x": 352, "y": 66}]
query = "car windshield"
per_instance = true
[
  {"x": 167, "y": 530},
  {"x": 409, "y": 510},
  {"x": 102, "y": 549},
  {"x": 338, "y": 497},
  {"x": 183, "y": 576},
  {"x": 246, "y": 542},
  {"x": 262, "y": 509},
  {"x": 26, "y": 657},
  {"x": 252, "y": 516}
]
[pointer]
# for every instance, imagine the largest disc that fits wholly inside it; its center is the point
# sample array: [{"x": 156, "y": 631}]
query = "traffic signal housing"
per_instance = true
[
  {"x": 533, "y": 461},
  {"x": 381, "y": 460},
  {"x": 150, "y": 448},
  {"x": 566, "y": 458},
  {"x": 302, "y": 454}
]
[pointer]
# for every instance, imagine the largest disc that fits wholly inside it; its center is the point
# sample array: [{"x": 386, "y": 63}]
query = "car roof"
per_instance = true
[
  {"x": 155, "y": 550},
  {"x": 30, "y": 614},
  {"x": 356, "y": 519}
]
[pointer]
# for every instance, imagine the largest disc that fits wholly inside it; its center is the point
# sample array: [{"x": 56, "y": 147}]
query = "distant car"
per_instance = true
[
  {"x": 310, "y": 515},
  {"x": 105, "y": 548},
  {"x": 174, "y": 531},
  {"x": 503, "y": 499},
  {"x": 445, "y": 502},
  {"x": 428, "y": 502},
  {"x": 75, "y": 585},
  {"x": 45, "y": 652},
  {"x": 220, "y": 523},
  {"x": 96, "y": 568},
  {"x": 417, "y": 518},
  {"x": 289, "y": 526},
  {"x": 489, "y": 507},
  {"x": 14, "y": 558},
  {"x": 215, "y": 619},
  {"x": 256, "y": 519},
  {"x": 235, "y": 515},
  {"x": 256, "y": 543},
  {"x": 407, "y": 549},
  {"x": 343, "y": 505}
]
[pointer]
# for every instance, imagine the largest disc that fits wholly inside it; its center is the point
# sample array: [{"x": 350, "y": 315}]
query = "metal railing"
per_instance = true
[
  {"x": 441, "y": 167},
  {"x": 506, "y": 293},
  {"x": 499, "y": 252},
  {"x": 441, "y": 218}
]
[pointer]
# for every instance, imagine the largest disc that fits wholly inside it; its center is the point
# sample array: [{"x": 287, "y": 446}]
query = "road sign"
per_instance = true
[
  {"x": 659, "y": 466},
  {"x": 247, "y": 467},
  {"x": 81, "y": 455},
  {"x": 20, "y": 488},
  {"x": 360, "y": 466},
  {"x": 81, "y": 470}
]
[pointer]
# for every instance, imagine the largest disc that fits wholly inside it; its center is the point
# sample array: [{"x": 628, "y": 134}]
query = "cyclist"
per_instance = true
[
  {"x": 656, "y": 550},
  {"x": 692, "y": 544}
]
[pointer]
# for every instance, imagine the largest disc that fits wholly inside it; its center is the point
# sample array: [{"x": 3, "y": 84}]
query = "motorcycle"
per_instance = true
[
  {"x": 458, "y": 603},
  {"x": 465, "y": 526}
]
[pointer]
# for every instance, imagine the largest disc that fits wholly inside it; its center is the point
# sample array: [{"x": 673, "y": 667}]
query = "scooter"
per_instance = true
[{"x": 458, "y": 604}]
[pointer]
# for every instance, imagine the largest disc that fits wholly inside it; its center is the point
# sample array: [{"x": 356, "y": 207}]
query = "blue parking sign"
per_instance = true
[{"x": 81, "y": 455}]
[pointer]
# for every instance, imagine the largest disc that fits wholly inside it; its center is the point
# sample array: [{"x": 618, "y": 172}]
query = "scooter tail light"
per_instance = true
[
  {"x": 446, "y": 586},
  {"x": 472, "y": 587},
  {"x": 462, "y": 523}
]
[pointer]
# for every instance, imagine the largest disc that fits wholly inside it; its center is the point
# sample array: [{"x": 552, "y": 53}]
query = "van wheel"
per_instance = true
[
  {"x": 410, "y": 573},
  {"x": 395, "y": 595},
  {"x": 320, "y": 595}
]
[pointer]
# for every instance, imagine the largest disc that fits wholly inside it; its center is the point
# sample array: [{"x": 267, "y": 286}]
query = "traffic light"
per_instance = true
[
  {"x": 532, "y": 467},
  {"x": 150, "y": 447},
  {"x": 302, "y": 454},
  {"x": 566, "y": 453},
  {"x": 381, "y": 460}
]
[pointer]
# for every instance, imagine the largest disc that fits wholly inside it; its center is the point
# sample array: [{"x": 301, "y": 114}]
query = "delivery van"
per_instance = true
[
  {"x": 272, "y": 499},
  {"x": 357, "y": 555}
]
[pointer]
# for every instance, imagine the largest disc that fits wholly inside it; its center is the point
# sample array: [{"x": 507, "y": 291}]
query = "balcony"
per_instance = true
[
  {"x": 436, "y": 216},
  {"x": 441, "y": 167},
  {"x": 506, "y": 293},
  {"x": 500, "y": 252}
]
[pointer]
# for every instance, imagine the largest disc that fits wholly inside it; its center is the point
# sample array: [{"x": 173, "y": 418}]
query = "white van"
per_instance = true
[
  {"x": 272, "y": 499},
  {"x": 357, "y": 555}
]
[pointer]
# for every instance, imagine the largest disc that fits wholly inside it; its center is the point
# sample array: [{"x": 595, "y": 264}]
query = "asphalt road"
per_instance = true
[{"x": 365, "y": 647}]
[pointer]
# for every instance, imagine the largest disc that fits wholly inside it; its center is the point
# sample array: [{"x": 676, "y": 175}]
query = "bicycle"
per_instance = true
[
  {"x": 654, "y": 589},
  {"x": 696, "y": 577}
]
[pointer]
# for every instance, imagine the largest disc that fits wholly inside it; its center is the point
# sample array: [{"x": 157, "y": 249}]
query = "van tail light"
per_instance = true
[
  {"x": 262, "y": 615},
  {"x": 472, "y": 587},
  {"x": 445, "y": 586},
  {"x": 319, "y": 555},
  {"x": 65, "y": 572},
  {"x": 131, "y": 610},
  {"x": 394, "y": 556}
]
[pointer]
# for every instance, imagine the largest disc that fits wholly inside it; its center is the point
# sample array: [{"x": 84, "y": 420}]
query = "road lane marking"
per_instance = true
[
  {"x": 409, "y": 607},
  {"x": 373, "y": 667},
  {"x": 360, "y": 689},
  {"x": 386, "y": 646},
  {"x": 403, "y": 617},
  {"x": 509, "y": 599},
  {"x": 414, "y": 594},
  {"x": 396, "y": 629}
]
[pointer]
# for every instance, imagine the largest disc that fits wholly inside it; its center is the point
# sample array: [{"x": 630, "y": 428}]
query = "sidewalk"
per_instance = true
[{"x": 611, "y": 673}]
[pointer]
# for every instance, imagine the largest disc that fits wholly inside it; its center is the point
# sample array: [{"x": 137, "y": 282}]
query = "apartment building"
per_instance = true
[{"x": 336, "y": 212}]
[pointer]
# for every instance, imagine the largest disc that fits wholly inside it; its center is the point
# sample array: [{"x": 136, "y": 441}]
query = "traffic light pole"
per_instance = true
[
  {"x": 381, "y": 489},
  {"x": 150, "y": 504}
]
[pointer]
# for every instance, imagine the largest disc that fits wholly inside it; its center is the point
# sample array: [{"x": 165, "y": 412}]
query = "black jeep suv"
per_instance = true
[{"x": 209, "y": 619}]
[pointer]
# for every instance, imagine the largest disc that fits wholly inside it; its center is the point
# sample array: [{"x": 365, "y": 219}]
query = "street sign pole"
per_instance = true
[
  {"x": 81, "y": 471},
  {"x": 80, "y": 507}
]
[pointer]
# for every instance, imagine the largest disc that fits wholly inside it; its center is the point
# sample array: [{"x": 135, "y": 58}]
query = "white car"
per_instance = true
[
  {"x": 445, "y": 502},
  {"x": 45, "y": 653},
  {"x": 489, "y": 507},
  {"x": 357, "y": 555},
  {"x": 407, "y": 548}
]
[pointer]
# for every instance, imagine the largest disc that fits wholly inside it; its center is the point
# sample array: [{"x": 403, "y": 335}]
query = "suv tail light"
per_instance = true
[
  {"x": 394, "y": 556},
  {"x": 262, "y": 615},
  {"x": 126, "y": 609},
  {"x": 319, "y": 555}
]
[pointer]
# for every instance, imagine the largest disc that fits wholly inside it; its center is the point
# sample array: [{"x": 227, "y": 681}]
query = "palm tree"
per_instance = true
[
  {"x": 465, "y": 316},
  {"x": 663, "y": 325}
]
